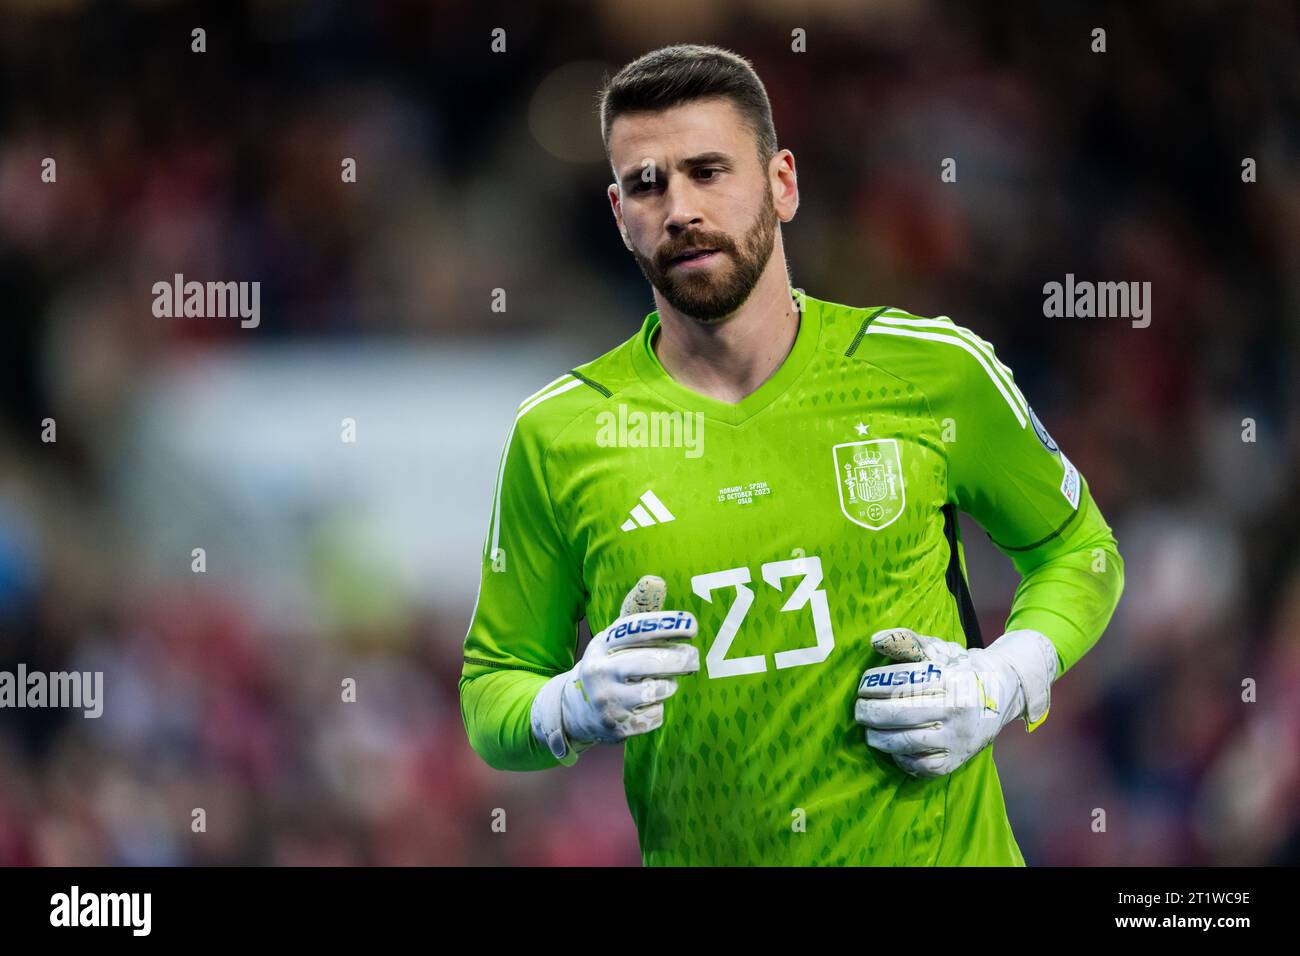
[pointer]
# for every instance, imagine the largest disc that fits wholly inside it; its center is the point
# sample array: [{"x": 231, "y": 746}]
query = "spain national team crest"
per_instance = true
[{"x": 869, "y": 475}]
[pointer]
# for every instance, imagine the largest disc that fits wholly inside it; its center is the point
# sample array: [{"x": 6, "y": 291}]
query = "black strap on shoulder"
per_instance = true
[
  {"x": 970, "y": 623},
  {"x": 862, "y": 330},
  {"x": 587, "y": 381}
]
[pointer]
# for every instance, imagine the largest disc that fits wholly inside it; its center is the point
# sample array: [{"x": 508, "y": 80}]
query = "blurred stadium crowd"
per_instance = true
[{"x": 481, "y": 170}]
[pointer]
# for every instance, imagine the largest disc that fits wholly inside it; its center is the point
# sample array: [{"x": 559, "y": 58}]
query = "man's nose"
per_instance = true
[{"x": 683, "y": 212}]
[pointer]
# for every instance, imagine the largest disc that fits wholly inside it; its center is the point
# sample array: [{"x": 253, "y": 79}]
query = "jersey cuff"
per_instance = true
[
  {"x": 1033, "y": 657},
  {"x": 547, "y": 722}
]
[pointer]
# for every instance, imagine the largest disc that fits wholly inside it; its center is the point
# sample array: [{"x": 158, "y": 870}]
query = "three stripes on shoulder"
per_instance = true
[{"x": 947, "y": 332}]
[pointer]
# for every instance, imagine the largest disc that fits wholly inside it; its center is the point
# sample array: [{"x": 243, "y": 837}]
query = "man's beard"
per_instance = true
[{"x": 708, "y": 295}]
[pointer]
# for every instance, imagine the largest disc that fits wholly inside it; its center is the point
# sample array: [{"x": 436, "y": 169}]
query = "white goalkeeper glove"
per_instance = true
[
  {"x": 618, "y": 688},
  {"x": 946, "y": 703}
]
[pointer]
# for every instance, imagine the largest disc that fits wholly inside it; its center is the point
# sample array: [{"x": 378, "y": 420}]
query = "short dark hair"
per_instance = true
[{"x": 689, "y": 71}]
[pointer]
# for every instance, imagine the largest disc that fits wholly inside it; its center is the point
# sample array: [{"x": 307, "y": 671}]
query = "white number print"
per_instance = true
[
  {"x": 704, "y": 585},
  {"x": 806, "y": 593}
]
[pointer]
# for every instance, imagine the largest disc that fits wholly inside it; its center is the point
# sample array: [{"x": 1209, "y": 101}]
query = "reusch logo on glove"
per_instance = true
[
  {"x": 903, "y": 676},
  {"x": 669, "y": 622}
]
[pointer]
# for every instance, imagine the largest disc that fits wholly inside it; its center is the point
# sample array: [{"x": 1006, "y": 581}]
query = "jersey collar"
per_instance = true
[{"x": 654, "y": 375}]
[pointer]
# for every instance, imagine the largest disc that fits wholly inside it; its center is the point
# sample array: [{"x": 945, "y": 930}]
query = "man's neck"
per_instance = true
[{"x": 730, "y": 360}]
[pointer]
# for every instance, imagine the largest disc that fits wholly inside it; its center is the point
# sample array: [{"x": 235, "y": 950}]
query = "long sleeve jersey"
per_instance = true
[{"x": 794, "y": 524}]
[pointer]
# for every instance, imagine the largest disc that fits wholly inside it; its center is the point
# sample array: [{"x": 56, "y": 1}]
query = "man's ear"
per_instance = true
[
  {"x": 613, "y": 207},
  {"x": 788, "y": 204}
]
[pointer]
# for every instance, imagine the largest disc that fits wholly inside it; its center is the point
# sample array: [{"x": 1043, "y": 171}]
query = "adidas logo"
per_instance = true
[{"x": 648, "y": 512}]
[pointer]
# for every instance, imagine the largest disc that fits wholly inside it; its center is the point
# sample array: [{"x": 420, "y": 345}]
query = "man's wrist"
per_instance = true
[
  {"x": 547, "y": 720},
  {"x": 1032, "y": 657}
]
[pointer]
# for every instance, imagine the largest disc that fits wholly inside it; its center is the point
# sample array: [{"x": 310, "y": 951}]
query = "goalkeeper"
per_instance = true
[{"x": 797, "y": 675}]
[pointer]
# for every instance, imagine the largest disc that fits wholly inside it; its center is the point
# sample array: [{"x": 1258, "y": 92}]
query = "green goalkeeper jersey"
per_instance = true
[{"x": 794, "y": 524}]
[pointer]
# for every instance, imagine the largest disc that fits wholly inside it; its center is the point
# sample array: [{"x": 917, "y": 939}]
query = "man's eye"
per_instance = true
[
  {"x": 708, "y": 169},
  {"x": 642, "y": 186}
]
